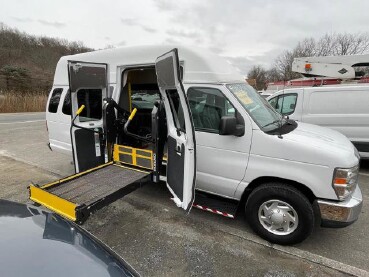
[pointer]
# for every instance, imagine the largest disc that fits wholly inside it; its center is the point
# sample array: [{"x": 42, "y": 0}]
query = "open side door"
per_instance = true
[
  {"x": 181, "y": 165},
  {"x": 88, "y": 86}
]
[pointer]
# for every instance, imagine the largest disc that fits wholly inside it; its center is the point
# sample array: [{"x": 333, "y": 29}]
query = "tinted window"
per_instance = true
[
  {"x": 66, "y": 105},
  {"x": 92, "y": 99},
  {"x": 54, "y": 100},
  {"x": 176, "y": 108},
  {"x": 208, "y": 105}
]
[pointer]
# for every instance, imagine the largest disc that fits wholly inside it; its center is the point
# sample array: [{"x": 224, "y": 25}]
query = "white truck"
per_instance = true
[{"x": 187, "y": 117}]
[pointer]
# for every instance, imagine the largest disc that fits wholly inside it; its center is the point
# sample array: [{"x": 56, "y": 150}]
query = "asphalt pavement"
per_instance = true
[
  {"x": 158, "y": 239},
  {"x": 21, "y": 118}
]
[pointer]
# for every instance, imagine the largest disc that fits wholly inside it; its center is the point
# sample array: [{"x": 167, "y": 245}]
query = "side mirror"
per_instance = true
[{"x": 228, "y": 126}]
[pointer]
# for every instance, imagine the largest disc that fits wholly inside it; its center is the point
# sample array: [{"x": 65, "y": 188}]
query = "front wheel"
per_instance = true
[{"x": 280, "y": 213}]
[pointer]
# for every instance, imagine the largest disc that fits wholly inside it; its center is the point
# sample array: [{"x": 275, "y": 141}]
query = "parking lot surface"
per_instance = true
[{"x": 157, "y": 238}]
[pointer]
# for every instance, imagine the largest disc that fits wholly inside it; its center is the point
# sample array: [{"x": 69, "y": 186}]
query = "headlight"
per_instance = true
[{"x": 345, "y": 181}]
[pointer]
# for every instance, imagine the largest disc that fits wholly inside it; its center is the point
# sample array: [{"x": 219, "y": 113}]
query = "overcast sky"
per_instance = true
[{"x": 246, "y": 32}]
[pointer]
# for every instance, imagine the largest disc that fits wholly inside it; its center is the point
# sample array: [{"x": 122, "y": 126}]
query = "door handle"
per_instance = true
[{"x": 178, "y": 149}]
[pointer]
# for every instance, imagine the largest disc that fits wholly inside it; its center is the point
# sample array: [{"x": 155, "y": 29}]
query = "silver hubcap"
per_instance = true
[{"x": 278, "y": 217}]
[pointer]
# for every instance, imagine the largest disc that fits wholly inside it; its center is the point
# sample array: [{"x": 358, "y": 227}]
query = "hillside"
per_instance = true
[{"x": 27, "y": 62}]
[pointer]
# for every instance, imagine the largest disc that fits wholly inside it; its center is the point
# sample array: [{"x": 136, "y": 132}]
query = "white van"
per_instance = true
[
  {"x": 285, "y": 174},
  {"x": 342, "y": 108}
]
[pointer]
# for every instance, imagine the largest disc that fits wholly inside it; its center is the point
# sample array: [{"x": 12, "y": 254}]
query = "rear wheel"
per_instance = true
[{"x": 280, "y": 213}]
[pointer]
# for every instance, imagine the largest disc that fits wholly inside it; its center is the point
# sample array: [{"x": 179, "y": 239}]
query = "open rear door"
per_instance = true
[
  {"x": 181, "y": 166},
  {"x": 88, "y": 86}
]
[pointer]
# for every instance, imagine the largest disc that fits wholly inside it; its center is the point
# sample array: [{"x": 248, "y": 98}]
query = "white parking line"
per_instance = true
[
  {"x": 364, "y": 174},
  {"x": 17, "y": 122},
  {"x": 22, "y": 113}
]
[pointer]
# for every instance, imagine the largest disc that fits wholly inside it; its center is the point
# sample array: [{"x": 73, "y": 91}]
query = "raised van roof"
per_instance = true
[{"x": 200, "y": 65}]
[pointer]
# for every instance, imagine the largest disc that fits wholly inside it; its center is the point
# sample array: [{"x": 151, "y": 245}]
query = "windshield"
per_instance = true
[{"x": 258, "y": 108}]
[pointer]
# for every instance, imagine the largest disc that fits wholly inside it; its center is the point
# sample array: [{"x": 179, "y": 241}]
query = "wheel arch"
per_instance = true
[{"x": 269, "y": 179}]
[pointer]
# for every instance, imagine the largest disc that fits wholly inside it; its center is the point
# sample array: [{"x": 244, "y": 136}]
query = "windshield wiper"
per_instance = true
[{"x": 271, "y": 123}]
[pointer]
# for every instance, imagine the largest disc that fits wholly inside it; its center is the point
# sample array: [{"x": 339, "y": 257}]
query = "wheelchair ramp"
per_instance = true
[{"x": 77, "y": 196}]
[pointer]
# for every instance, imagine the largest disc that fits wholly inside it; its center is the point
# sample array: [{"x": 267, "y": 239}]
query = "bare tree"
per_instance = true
[
  {"x": 273, "y": 75},
  {"x": 283, "y": 66},
  {"x": 349, "y": 44},
  {"x": 328, "y": 45},
  {"x": 260, "y": 75}
]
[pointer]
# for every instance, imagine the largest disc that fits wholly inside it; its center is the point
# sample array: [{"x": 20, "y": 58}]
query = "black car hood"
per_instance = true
[{"x": 34, "y": 242}]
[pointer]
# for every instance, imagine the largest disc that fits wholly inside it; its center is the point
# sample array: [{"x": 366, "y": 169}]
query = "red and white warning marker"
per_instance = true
[{"x": 204, "y": 208}]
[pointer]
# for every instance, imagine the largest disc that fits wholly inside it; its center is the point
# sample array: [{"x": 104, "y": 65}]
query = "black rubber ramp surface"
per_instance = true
[{"x": 97, "y": 184}]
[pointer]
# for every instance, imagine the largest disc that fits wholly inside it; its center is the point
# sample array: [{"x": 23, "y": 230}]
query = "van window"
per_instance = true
[
  {"x": 273, "y": 102},
  {"x": 54, "y": 100},
  {"x": 66, "y": 105},
  {"x": 286, "y": 104},
  {"x": 177, "y": 110},
  {"x": 92, "y": 99},
  {"x": 208, "y": 105}
]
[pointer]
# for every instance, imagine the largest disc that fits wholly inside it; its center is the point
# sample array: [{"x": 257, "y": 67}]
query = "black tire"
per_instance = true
[{"x": 289, "y": 195}]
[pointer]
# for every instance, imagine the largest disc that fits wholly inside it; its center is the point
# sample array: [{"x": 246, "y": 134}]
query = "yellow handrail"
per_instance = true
[
  {"x": 80, "y": 109},
  {"x": 132, "y": 114}
]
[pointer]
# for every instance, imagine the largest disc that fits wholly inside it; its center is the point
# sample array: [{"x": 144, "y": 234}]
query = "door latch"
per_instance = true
[{"x": 179, "y": 148}]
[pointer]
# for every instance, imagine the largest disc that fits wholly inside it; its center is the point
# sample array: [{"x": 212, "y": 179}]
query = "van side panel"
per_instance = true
[
  {"x": 58, "y": 124},
  {"x": 293, "y": 158},
  {"x": 345, "y": 110}
]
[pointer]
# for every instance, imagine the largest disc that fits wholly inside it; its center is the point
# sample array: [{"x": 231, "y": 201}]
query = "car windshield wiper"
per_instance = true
[{"x": 271, "y": 123}]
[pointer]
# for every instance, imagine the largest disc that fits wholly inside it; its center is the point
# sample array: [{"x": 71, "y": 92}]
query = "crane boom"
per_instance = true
[{"x": 330, "y": 66}]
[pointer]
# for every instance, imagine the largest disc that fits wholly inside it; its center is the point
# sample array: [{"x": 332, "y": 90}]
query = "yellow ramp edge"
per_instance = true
[{"x": 53, "y": 202}]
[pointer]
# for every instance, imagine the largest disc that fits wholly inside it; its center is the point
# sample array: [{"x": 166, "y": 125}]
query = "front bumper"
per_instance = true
[{"x": 341, "y": 214}]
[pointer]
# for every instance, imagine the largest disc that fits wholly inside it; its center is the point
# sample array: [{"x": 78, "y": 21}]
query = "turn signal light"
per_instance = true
[
  {"x": 345, "y": 181},
  {"x": 340, "y": 181}
]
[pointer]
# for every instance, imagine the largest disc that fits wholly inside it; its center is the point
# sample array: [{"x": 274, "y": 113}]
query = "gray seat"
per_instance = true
[
  {"x": 195, "y": 114},
  {"x": 211, "y": 117}
]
